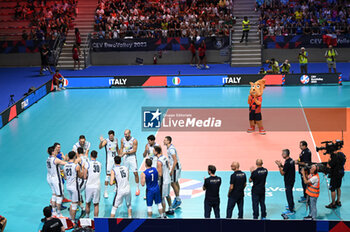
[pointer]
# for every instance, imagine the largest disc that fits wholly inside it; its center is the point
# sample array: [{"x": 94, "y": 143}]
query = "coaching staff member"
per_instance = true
[
  {"x": 258, "y": 177},
  {"x": 304, "y": 160},
  {"x": 236, "y": 191},
  {"x": 51, "y": 224},
  {"x": 288, "y": 171},
  {"x": 212, "y": 188}
]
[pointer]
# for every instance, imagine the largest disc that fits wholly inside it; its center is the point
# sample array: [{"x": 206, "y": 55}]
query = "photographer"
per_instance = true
[
  {"x": 302, "y": 57},
  {"x": 273, "y": 65},
  {"x": 312, "y": 190},
  {"x": 3, "y": 222},
  {"x": 336, "y": 165},
  {"x": 285, "y": 67},
  {"x": 304, "y": 160},
  {"x": 330, "y": 55}
]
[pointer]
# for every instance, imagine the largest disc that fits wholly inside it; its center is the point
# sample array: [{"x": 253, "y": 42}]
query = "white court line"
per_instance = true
[{"x": 308, "y": 127}]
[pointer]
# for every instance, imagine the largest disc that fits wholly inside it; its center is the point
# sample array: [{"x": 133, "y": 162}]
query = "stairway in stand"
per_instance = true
[
  {"x": 85, "y": 22},
  {"x": 243, "y": 54}
]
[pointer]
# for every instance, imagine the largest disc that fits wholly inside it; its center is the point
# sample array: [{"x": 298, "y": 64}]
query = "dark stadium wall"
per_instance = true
[
  {"x": 19, "y": 59},
  {"x": 315, "y": 54},
  {"x": 168, "y": 57}
]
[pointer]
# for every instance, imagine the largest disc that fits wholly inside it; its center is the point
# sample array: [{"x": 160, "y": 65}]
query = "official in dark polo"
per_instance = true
[
  {"x": 304, "y": 160},
  {"x": 258, "y": 177},
  {"x": 212, "y": 197},
  {"x": 236, "y": 191}
]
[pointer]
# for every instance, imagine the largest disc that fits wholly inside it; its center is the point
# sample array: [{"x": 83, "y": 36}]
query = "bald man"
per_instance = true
[
  {"x": 258, "y": 177},
  {"x": 236, "y": 191},
  {"x": 128, "y": 149}
]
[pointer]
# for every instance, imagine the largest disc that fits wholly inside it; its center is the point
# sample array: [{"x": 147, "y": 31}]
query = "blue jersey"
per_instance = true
[{"x": 151, "y": 179}]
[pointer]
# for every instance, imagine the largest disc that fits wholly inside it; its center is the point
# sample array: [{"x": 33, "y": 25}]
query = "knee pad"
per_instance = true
[
  {"x": 160, "y": 206},
  {"x": 53, "y": 199},
  {"x": 59, "y": 200},
  {"x": 74, "y": 206},
  {"x": 149, "y": 209},
  {"x": 114, "y": 210},
  {"x": 107, "y": 178},
  {"x": 128, "y": 206}
]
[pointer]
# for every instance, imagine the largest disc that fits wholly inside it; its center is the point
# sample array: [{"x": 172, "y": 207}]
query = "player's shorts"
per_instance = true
[
  {"x": 331, "y": 64},
  {"x": 92, "y": 194},
  {"x": 109, "y": 166},
  {"x": 55, "y": 185},
  {"x": 165, "y": 190},
  {"x": 153, "y": 195},
  {"x": 120, "y": 196},
  {"x": 131, "y": 163},
  {"x": 74, "y": 194},
  {"x": 254, "y": 116},
  {"x": 176, "y": 175},
  {"x": 82, "y": 184}
]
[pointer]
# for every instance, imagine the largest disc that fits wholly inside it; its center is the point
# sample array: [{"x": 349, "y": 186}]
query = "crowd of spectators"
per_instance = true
[
  {"x": 46, "y": 19},
  {"x": 173, "y": 18},
  {"x": 305, "y": 17}
]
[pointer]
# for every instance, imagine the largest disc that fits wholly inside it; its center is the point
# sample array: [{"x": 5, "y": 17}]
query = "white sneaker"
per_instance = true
[
  {"x": 54, "y": 214},
  {"x": 105, "y": 195},
  {"x": 206, "y": 66}
]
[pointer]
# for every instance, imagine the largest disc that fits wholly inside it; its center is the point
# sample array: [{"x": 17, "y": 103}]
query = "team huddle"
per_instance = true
[{"x": 82, "y": 175}]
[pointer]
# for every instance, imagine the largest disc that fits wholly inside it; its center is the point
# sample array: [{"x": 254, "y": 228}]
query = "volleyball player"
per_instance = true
[
  {"x": 128, "y": 149},
  {"x": 92, "y": 175},
  {"x": 175, "y": 170},
  {"x": 71, "y": 172},
  {"x": 54, "y": 180},
  {"x": 149, "y": 150},
  {"x": 82, "y": 143},
  {"x": 111, "y": 147},
  {"x": 164, "y": 178},
  {"x": 82, "y": 160},
  {"x": 120, "y": 176},
  {"x": 150, "y": 178}
]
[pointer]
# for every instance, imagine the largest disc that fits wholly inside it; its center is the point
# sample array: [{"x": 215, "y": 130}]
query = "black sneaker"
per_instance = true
[
  {"x": 338, "y": 203},
  {"x": 308, "y": 218},
  {"x": 331, "y": 206},
  {"x": 170, "y": 212}
]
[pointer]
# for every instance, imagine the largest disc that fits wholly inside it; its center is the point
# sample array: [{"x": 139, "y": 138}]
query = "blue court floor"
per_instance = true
[{"x": 63, "y": 116}]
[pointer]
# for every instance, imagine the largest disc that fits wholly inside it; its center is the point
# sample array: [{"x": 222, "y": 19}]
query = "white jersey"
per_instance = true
[
  {"x": 71, "y": 175},
  {"x": 111, "y": 149},
  {"x": 170, "y": 152},
  {"x": 165, "y": 168},
  {"x": 150, "y": 150},
  {"x": 121, "y": 175},
  {"x": 128, "y": 145},
  {"x": 85, "y": 147},
  {"x": 53, "y": 170},
  {"x": 94, "y": 174},
  {"x": 84, "y": 161}
]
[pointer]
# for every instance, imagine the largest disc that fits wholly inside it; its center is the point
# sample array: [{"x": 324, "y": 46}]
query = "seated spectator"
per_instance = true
[{"x": 24, "y": 35}]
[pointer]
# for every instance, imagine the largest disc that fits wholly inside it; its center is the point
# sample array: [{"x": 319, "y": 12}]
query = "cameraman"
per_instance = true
[
  {"x": 273, "y": 64},
  {"x": 312, "y": 190},
  {"x": 285, "y": 67},
  {"x": 336, "y": 165},
  {"x": 304, "y": 160},
  {"x": 330, "y": 54}
]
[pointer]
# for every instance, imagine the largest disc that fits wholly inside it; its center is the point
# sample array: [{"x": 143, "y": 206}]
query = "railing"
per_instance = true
[
  {"x": 87, "y": 57},
  {"x": 57, "y": 48}
]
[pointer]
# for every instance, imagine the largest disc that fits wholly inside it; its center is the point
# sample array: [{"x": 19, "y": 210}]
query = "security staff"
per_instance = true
[
  {"x": 236, "y": 191},
  {"x": 258, "y": 177},
  {"x": 312, "y": 190},
  {"x": 212, "y": 188},
  {"x": 330, "y": 54},
  {"x": 245, "y": 28},
  {"x": 302, "y": 57},
  {"x": 288, "y": 172},
  {"x": 304, "y": 160}
]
